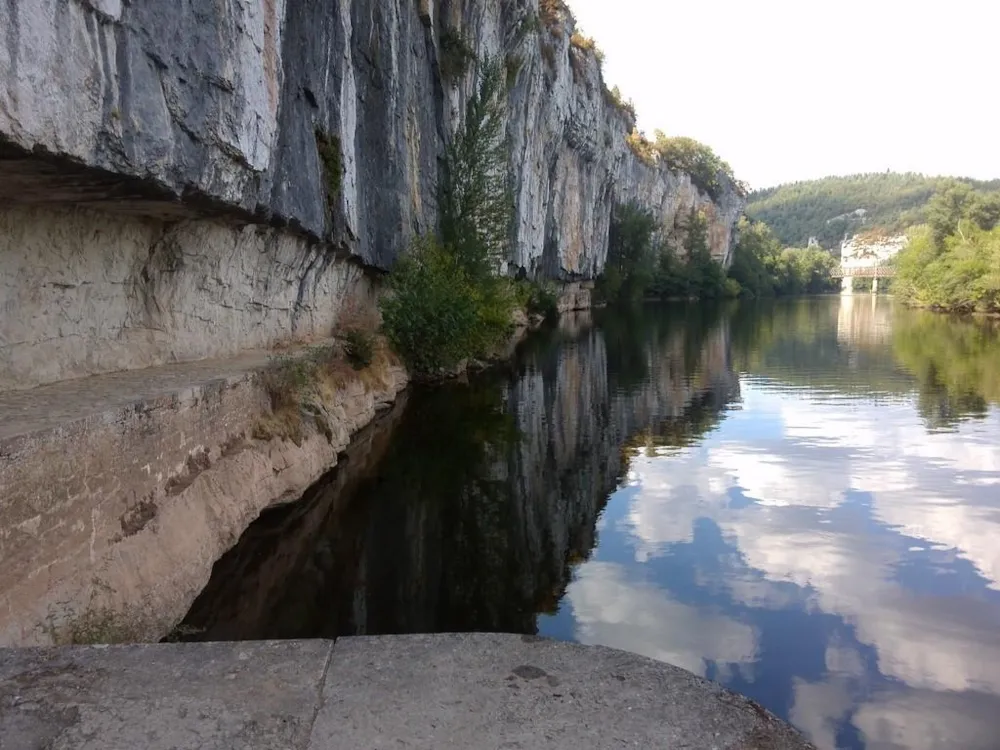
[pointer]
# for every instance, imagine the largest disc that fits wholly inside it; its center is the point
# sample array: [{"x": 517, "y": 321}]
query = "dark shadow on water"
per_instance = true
[{"x": 466, "y": 509}]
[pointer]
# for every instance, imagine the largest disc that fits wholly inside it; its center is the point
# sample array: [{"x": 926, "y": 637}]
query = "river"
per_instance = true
[{"x": 800, "y": 500}]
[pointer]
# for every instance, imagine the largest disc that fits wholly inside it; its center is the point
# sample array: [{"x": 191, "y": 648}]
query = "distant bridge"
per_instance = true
[{"x": 878, "y": 271}]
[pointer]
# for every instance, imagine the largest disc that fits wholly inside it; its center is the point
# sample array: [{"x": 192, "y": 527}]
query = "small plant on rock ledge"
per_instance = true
[
  {"x": 359, "y": 348},
  {"x": 456, "y": 54},
  {"x": 332, "y": 162}
]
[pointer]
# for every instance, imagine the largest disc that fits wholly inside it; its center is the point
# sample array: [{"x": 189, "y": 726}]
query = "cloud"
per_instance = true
[{"x": 802, "y": 530}]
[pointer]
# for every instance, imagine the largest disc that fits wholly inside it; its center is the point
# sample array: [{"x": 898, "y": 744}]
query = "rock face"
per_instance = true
[
  {"x": 118, "y": 493},
  {"x": 260, "y": 155},
  {"x": 87, "y": 295},
  {"x": 232, "y": 103}
]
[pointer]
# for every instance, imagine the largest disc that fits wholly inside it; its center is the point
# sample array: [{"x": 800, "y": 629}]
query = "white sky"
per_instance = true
[{"x": 797, "y": 89}]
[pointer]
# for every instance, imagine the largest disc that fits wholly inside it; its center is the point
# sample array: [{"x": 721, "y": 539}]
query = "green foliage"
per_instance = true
[
  {"x": 763, "y": 269},
  {"x": 731, "y": 288},
  {"x": 476, "y": 200},
  {"x": 332, "y": 161},
  {"x": 436, "y": 314},
  {"x": 446, "y": 302},
  {"x": 640, "y": 264},
  {"x": 826, "y": 208},
  {"x": 961, "y": 272},
  {"x": 641, "y": 147},
  {"x": 456, "y": 54},
  {"x": 953, "y": 263},
  {"x": 707, "y": 170},
  {"x": 956, "y": 203},
  {"x": 513, "y": 64},
  {"x": 538, "y": 298},
  {"x": 615, "y": 98},
  {"x": 359, "y": 348},
  {"x": 633, "y": 248},
  {"x": 587, "y": 44}
]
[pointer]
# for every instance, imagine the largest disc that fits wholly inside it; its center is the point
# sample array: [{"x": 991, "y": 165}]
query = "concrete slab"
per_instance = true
[
  {"x": 434, "y": 692},
  {"x": 203, "y": 696},
  {"x": 477, "y": 691}
]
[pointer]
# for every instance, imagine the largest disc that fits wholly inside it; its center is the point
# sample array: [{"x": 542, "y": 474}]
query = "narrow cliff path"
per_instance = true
[
  {"x": 119, "y": 492},
  {"x": 45, "y": 407}
]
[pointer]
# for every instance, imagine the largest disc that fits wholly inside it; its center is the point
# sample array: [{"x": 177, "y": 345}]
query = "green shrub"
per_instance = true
[
  {"x": 446, "y": 302},
  {"x": 359, "y": 348},
  {"x": 435, "y": 315},
  {"x": 538, "y": 298},
  {"x": 456, "y": 54},
  {"x": 682, "y": 154},
  {"x": 332, "y": 161}
]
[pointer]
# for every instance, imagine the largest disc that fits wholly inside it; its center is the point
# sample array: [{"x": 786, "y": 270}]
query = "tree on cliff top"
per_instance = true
[{"x": 683, "y": 154}]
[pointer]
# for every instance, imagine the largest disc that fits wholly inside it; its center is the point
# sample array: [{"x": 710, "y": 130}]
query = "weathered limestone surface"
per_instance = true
[
  {"x": 118, "y": 493},
  {"x": 224, "y": 102},
  {"x": 467, "y": 692},
  {"x": 82, "y": 292},
  {"x": 199, "y": 127}
]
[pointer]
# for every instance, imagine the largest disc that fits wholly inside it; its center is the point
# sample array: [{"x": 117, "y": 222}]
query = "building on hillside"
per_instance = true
[{"x": 866, "y": 255}]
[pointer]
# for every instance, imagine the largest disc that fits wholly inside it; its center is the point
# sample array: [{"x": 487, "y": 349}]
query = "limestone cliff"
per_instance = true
[
  {"x": 225, "y": 100},
  {"x": 253, "y": 149}
]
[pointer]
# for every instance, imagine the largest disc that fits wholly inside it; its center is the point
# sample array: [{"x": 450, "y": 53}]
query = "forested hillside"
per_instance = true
[{"x": 833, "y": 207}]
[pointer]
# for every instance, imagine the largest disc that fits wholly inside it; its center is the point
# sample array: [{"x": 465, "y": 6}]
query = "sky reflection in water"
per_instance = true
[{"x": 829, "y": 548}]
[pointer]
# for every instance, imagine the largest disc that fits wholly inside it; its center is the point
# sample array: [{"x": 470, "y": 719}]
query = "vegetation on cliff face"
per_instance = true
[
  {"x": 833, "y": 207},
  {"x": 641, "y": 263},
  {"x": 681, "y": 154},
  {"x": 332, "y": 162},
  {"x": 456, "y": 54},
  {"x": 953, "y": 261},
  {"x": 763, "y": 268},
  {"x": 446, "y": 301}
]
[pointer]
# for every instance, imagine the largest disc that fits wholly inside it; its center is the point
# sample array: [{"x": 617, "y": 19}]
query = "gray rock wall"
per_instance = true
[
  {"x": 81, "y": 294},
  {"x": 220, "y": 103}
]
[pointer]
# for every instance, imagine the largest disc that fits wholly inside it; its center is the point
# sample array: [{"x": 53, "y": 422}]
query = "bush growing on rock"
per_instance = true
[
  {"x": 456, "y": 54},
  {"x": 359, "y": 348},
  {"x": 446, "y": 302},
  {"x": 437, "y": 315}
]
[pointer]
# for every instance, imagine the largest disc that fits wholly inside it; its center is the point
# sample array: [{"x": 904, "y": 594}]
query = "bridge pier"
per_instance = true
[{"x": 847, "y": 285}]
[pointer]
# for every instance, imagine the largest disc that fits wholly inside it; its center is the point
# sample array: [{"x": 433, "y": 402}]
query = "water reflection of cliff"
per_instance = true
[{"x": 469, "y": 512}]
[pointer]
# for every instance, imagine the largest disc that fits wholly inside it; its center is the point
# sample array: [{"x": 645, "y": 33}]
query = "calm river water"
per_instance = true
[{"x": 800, "y": 500}]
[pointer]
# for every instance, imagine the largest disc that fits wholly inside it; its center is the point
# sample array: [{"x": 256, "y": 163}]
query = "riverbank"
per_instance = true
[
  {"x": 427, "y": 692},
  {"x": 119, "y": 492}
]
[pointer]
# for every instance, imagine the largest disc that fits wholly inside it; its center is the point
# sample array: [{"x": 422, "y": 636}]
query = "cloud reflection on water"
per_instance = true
[{"x": 823, "y": 507}]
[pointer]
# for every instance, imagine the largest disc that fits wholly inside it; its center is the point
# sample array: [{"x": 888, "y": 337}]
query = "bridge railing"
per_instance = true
[{"x": 877, "y": 271}]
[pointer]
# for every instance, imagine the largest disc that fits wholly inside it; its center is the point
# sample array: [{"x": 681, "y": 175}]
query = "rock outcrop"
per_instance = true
[
  {"x": 238, "y": 105},
  {"x": 252, "y": 151},
  {"x": 118, "y": 493}
]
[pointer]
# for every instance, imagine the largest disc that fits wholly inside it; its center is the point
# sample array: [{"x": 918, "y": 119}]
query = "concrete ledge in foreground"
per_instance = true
[{"x": 433, "y": 692}]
